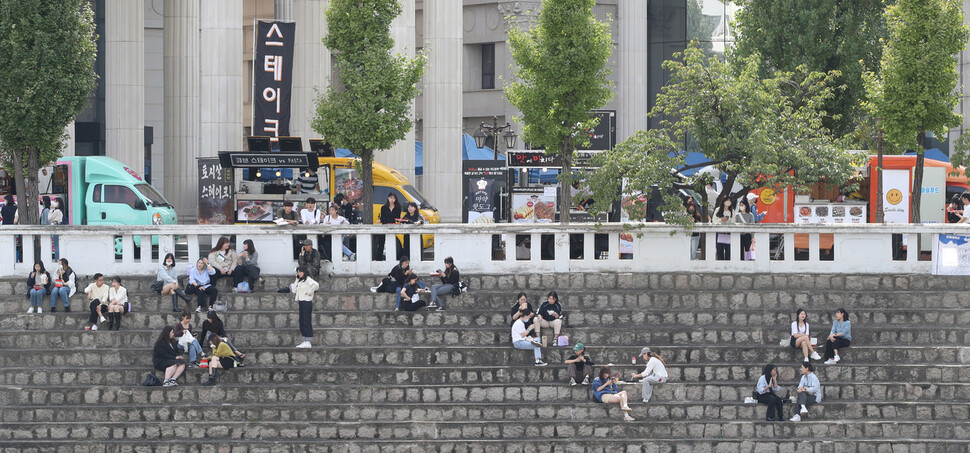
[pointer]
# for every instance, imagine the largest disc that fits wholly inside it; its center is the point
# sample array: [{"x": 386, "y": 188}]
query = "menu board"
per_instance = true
[
  {"x": 215, "y": 193},
  {"x": 533, "y": 208},
  {"x": 830, "y": 213},
  {"x": 257, "y": 211}
]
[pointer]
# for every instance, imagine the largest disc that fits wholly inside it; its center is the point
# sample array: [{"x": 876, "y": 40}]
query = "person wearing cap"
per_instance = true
[
  {"x": 309, "y": 258},
  {"x": 655, "y": 372},
  {"x": 753, "y": 203},
  {"x": 521, "y": 339},
  {"x": 579, "y": 364}
]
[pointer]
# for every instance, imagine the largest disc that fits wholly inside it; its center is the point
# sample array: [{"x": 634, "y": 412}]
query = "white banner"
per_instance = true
[
  {"x": 895, "y": 195},
  {"x": 951, "y": 255}
]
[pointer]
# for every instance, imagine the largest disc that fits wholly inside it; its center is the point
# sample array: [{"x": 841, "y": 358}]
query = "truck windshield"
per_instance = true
[
  {"x": 149, "y": 192},
  {"x": 416, "y": 195}
]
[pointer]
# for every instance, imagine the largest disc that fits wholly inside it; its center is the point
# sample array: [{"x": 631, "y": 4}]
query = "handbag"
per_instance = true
[
  {"x": 127, "y": 307},
  {"x": 242, "y": 287},
  {"x": 221, "y": 306},
  {"x": 185, "y": 340},
  {"x": 387, "y": 285},
  {"x": 157, "y": 286},
  {"x": 151, "y": 381},
  {"x": 562, "y": 341},
  {"x": 723, "y": 238}
]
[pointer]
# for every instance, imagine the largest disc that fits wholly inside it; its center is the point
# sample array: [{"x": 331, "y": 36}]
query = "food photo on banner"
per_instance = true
[
  {"x": 481, "y": 201},
  {"x": 215, "y": 193},
  {"x": 272, "y": 78}
]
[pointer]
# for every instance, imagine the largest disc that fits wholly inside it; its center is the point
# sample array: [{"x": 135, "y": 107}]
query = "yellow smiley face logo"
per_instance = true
[
  {"x": 894, "y": 196},
  {"x": 768, "y": 196}
]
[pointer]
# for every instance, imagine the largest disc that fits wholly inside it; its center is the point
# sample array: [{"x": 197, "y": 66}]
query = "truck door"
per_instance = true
[{"x": 119, "y": 205}]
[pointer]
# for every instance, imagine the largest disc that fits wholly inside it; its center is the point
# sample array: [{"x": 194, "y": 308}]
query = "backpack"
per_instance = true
[
  {"x": 242, "y": 287},
  {"x": 388, "y": 285},
  {"x": 151, "y": 381},
  {"x": 221, "y": 306}
]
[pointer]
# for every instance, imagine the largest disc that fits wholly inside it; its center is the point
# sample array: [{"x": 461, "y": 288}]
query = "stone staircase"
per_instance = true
[{"x": 379, "y": 380}]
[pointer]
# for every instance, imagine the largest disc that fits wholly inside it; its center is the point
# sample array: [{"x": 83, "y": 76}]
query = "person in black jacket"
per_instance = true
[
  {"x": 213, "y": 325},
  {"x": 412, "y": 300},
  {"x": 411, "y": 215},
  {"x": 550, "y": 315},
  {"x": 38, "y": 285},
  {"x": 390, "y": 215},
  {"x": 401, "y": 274},
  {"x": 449, "y": 284},
  {"x": 166, "y": 357}
]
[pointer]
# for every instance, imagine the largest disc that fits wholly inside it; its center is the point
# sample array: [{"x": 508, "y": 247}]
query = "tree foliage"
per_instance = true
[
  {"x": 368, "y": 106},
  {"x": 47, "y": 54},
  {"x": 759, "y": 132},
  {"x": 560, "y": 76},
  {"x": 916, "y": 88},
  {"x": 823, "y": 35}
]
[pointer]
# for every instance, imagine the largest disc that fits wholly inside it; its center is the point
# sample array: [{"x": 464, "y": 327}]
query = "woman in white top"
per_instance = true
[
  {"x": 334, "y": 218},
  {"x": 303, "y": 289},
  {"x": 654, "y": 373},
  {"x": 800, "y": 338},
  {"x": 117, "y": 297},
  {"x": 723, "y": 215}
]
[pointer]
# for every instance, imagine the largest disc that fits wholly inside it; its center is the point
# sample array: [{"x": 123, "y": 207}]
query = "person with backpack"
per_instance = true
[
  {"x": 222, "y": 357},
  {"x": 303, "y": 289},
  {"x": 165, "y": 357},
  {"x": 606, "y": 391}
]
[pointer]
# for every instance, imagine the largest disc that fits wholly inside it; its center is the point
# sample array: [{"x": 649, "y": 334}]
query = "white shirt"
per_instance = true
[
  {"x": 120, "y": 295},
  {"x": 329, "y": 220},
  {"x": 796, "y": 330},
  {"x": 309, "y": 217},
  {"x": 655, "y": 367},
  {"x": 518, "y": 328}
]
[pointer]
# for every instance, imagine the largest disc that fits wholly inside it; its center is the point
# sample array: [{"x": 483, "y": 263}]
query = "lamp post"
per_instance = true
[{"x": 485, "y": 130}]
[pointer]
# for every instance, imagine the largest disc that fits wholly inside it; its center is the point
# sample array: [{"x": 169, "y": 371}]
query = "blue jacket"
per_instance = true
[{"x": 608, "y": 390}]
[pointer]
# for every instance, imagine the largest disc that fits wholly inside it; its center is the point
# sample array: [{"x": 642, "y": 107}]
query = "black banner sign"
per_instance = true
[
  {"x": 603, "y": 136},
  {"x": 272, "y": 78},
  {"x": 215, "y": 193},
  {"x": 265, "y": 160}
]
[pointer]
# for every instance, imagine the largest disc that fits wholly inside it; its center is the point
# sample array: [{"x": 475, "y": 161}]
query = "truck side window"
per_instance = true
[
  {"x": 120, "y": 194},
  {"x": 381, "y": 193},
  {"x": 97, "y": 193}
]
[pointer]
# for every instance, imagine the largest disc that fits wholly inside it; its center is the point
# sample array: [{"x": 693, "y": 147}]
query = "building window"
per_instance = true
[{"x": 488, "y": 66}]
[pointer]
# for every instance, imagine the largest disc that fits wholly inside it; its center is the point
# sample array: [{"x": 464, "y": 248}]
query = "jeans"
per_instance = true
[
  {"x": 194, "y": 349},
  {"x": 831, "y": 346},
  {"x": 63, "y": 292},
  {"x": 442, "y": 289},
  {"x": 774, "y": 403},
  {"x": 37, "y": 296},
  {"x": 526, "y": 345},
  {"x": 327, "y": 246},
  {"x": 648, "y": 383},
  {"x": 306, "y": 327},
  {"x": 695, "y": 242},
  {"x": 397, "y": 306}
]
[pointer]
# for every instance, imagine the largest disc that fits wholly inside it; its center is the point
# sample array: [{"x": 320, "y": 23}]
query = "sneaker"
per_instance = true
[
  {"x": 815, "y": 356},
  {"x": 626, "y": 409},
  {"x": 193, "y": 364},
  {"x": 31, "y": 310},
  {"x": 540, "y": 363},
  {"x": 572, "y": 381},
  {"x": 209, "y": 383},
  {"x": 831, "y": 362},
  {"x": 353, "y": 257},
  {"x": 103, "y": 319},
  {"x": 804, "y": 410},
  {"x": 536, "y": 341},
  {"x": 646, "y": 400},
  {"x": 174, "y": 383},
  {"x": 53, "y": 309},
  {"x": 628, "y": 418},
  {"x": 836, "y": 358},
  {"x": 197, "y": 309},
  {"x": 432, "y": 305},
  {"x": 796, "y": 418},
  {"x": 440, "y": 309},
  {"x": 305, "y": 344},
  {"x": 586, "y": 380},
  {"x": 41, "y": 310},
  {"x": 94, "y": 327},
  {"x": 373, "y": 289},
  {"x": 168, "y": 383}
]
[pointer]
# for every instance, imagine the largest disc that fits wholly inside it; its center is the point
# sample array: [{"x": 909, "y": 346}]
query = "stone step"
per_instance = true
[
  {"x": 508, "y": 374},
  {"x": 485, "y": 429},
  {"x": 533, "y": 442},
  {"x": 261, "y": 393},
  {"x": 567, "y": 411},
  {"x": 283, "y": 328},
  {"x": 754, "y": 355}
]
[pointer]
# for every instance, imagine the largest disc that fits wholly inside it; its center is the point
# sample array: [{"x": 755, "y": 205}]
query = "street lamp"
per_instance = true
[{"x": 484, "y": 130}]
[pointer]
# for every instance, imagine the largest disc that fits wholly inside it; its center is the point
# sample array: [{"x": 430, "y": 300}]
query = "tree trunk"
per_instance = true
[
  {"x": 19, "y": 183},
  {"x": 32, "y": 194},
  {"x": 918, "y": 179},
  {"x": 880, "y": 209},
  {"x": 367, "y": 175},
  {"x": 565, "y": 181}
]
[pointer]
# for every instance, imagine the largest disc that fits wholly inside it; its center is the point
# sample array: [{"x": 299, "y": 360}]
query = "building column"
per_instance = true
[
  {"x": 443, "y": 107},
  {"x": 69, "y": 148},
  {"x": 284, "y": 9},
  {"x": 181, "y": 59},
  {"x": 124, "y": 82},
  {"x": 221, "y": 77},
  {"x": 632, "y": 104},
  {"x": 311, "y": 65},
  {"x": 401, "y": 156}
]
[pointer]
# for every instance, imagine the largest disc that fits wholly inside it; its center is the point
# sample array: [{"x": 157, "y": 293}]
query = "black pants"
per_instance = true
[
  {"x": 407, "y": 305},
  {"x": 306, "y": 310},
  {"x": 248, "y": 273},
  {"x": 831, "y": 346},
  {"x": 205, "y": 297},
  {"x": 745, "y": 243},
  {"x": 774, "y": 403},
  {"x": 723, "y": 251},
  {"x": 93, "y": 318},
  {"x": 806, "y": 399}
]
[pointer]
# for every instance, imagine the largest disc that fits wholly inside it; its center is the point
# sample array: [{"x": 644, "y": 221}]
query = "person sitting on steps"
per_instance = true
[
  {"x": 401, "y": 273},
  {"x": 212, "y": 327},
  {"x": 187, "y": 341},
  {"x": 39, "y": 284},
  {"x": 521, "y": 340},
  {"x": 170, "y": 282},
  {"x": 580, "y": 364},
  {"x": 655, "y": 372},
  {"x": 117, "y": 298},
  {"x": 410, "y": 297},
  {"x": 449, "y": 283},
  {"x": 839, "y": 337},
  {"x": 222, "y": 258},
  {"x": 800, "y": 338},
  {"x": 200, "y": 284},
  {"x": 520, "y": 306},
  {"x": 605, "y": 391},
  {"x": 550, "y": 315},
  {"x": 766, "y": 389},
  {"x": 247, "y": 269},
  {"x": 165, "y": 357},
  {"x": 64, "y": 286},
  {"x": 809, "y": 391},
  {"x": 97, "y": 293},
  {"x": 222, "y": 357}
]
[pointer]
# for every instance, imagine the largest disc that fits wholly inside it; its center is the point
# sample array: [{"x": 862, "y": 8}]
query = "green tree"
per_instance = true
[
  {"x": 560, "y": 76},
  {"x": 47, "y": 54},
  {"x": 832, "y": 35},
  {"x": 368, "y": 106},
  {"x": 759, "y": 132},
  {"x": 916, "y": 88}
]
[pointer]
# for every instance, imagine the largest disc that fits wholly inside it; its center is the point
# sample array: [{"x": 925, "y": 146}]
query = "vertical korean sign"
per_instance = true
[
  {"x": 272, "y": 78},
  {"x": 215, "y": 193}
]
